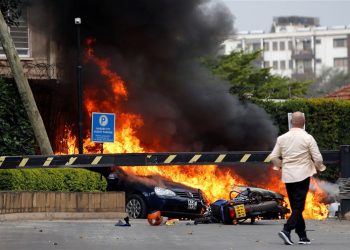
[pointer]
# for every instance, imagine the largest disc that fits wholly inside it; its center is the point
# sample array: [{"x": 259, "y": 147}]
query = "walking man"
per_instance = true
[{"x": 297, "y": 154}]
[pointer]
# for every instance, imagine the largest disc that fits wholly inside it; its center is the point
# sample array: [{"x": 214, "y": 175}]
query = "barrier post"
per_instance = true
[{"x": 344, "y": 186}]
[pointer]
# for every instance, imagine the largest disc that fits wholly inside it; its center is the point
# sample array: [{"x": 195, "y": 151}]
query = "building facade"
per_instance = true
[
  {"x": 36, "y": 50},
  {"x": 296, "y": 47},
  {"x": 39, "y": 54}
]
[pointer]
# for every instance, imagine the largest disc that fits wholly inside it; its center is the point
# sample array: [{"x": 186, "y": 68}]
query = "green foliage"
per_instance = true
[
  {"x": 73, "y": 180},
  {"x": 11, "y": 10},
  {"x": 328, "y": 81},
  {"x": 247, "y": 79},
  {"x": 327, "y": 120},
  {"x": 17, "y": 137}
]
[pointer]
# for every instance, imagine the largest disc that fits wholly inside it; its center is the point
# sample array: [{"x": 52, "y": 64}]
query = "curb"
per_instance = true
[{"x": 62, "y": 216}]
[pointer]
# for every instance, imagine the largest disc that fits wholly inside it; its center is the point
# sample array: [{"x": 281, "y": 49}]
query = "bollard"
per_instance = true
[
  {"x": 345, "y": 180},
  {"x": 345, "y": 161}
]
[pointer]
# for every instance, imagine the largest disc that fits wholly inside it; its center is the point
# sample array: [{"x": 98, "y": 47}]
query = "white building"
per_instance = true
[{"x": 296, "y": 47}]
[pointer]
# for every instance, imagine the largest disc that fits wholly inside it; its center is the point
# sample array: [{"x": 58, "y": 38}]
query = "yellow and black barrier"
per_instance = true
[{"x": 144, "y": 159}]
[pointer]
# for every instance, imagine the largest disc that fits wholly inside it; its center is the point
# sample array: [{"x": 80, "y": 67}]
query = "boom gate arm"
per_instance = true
[{"x": 145, "y": 159}]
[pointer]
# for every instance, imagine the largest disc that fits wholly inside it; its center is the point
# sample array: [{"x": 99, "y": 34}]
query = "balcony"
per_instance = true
[
  {"x": 307, "y": 74},
  {"x": 32, "y": 70},
  {"x": 305, "y": 54}
]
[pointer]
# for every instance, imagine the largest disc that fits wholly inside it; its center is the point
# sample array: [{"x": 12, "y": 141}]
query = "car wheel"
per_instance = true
[{"x": 136, "y": 207}]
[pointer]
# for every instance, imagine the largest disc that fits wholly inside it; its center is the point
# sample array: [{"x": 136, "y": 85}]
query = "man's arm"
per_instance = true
[
  {"x": 276, "y": 154},
  {"x": 316, "y": 155}
]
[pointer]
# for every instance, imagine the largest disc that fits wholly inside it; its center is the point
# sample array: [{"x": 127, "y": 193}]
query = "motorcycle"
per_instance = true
[{"x": 246, "y": 203}]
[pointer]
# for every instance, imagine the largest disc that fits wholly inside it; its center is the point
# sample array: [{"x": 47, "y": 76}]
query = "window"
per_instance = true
[
  {"x": 282, "y": 65},
  {"x": 318, "y": 41},
  {"x": 318, "y": 60},
  {"x": 256, "y": 46},
  {"x": 275, "y": 64},
  {"x": 266, "y": 64},
  {"x": 290, "y": 45},
  {"x": 307, "y": 44},
  {"x": 266, "y": 46},
  {"x": 20, "y": 37},
  {"x": 282, "y": 45},
  {"x": 339, "y": 42},
  {"x": 239, "y": 46},
  {"x": 274, "y": 46},
  {"x": 290, "y": 64},
  {"x": 341, "y": 62},
  {"x": 307, "y": 64}
]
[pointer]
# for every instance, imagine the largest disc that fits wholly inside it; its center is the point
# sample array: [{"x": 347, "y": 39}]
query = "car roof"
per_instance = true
[{"x": 152, "y": 181}]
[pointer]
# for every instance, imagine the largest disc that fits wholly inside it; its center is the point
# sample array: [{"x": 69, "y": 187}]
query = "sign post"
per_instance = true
[{"x": 102, "y": 127}]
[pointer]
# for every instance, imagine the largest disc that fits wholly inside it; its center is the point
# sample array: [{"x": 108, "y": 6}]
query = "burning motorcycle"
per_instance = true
[{"x": 246, "y": 203}]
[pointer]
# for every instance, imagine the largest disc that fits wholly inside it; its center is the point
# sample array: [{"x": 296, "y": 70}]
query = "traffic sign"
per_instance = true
[{"x": 102, "y": 127}]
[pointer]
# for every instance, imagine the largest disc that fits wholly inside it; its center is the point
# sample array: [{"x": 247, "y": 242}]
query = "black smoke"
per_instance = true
[{"x": 155, "y": 46}]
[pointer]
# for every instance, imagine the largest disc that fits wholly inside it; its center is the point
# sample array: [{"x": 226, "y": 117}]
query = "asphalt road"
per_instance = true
[{"x": 103, "y": 234}]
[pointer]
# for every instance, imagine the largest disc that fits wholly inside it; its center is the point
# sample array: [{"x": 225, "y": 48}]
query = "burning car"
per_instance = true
[{"x": 144, "y": 195}]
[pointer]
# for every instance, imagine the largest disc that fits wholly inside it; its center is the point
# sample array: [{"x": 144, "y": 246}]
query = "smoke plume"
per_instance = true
[
  {"x": 331, "y": 189},
  {"x": 155, "y": 47}
]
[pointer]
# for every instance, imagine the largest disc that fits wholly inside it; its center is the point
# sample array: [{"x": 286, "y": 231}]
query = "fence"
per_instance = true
[{"x": 104, "y": 161}]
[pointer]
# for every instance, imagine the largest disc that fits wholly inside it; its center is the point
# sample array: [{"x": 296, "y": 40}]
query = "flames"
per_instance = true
[{"x": 214, "y": 181}]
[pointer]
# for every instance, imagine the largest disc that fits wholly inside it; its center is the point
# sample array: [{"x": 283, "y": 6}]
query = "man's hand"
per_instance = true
[{"x": 276, "y": 168}]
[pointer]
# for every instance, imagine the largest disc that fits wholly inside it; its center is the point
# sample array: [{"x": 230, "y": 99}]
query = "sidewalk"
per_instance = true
[{"x": 62, "y": 216}]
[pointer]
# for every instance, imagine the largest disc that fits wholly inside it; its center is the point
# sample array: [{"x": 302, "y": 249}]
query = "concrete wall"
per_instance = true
[{"x": 24, "y": 202}]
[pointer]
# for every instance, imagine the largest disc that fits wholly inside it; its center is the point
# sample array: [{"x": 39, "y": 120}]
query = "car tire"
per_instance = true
[{"x": 136, "y": 207}]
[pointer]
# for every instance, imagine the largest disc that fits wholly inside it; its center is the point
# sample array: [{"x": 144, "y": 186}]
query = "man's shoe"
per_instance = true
[
  {"x": 285, "y": 236},
  {"x": 304, "y": 241}
]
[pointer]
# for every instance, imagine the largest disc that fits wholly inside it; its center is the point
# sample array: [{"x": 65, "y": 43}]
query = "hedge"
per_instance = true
[
  {"x": 68, "y": 180},
  {"x": 328, "y": 120},
  {"x": 16, "y": 133}
]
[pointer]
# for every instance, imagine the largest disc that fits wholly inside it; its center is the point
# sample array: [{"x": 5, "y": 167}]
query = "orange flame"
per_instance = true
[{"x": 214, "y": 181}]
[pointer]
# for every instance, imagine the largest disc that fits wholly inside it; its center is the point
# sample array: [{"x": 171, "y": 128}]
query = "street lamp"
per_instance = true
[{"x": 77, "y": 22}]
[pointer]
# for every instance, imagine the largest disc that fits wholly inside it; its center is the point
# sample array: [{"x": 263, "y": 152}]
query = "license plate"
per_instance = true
[
  {"x": 191, "y": 204},
  {"x": 240, "y": 211}
]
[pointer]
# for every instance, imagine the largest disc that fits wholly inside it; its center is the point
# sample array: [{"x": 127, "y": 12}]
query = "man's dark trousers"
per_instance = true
[{"x": 297, "y": 192}]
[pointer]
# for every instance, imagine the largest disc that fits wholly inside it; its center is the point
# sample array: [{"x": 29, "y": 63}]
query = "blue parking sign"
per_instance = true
[{"x": 102, "y": 127}]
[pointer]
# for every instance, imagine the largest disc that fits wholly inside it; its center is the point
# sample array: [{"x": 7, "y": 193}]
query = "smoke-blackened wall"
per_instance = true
[{"x": 155, "y": 45}]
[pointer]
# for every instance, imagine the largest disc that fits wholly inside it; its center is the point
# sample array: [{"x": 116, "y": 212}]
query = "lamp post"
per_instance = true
[{"x": 77, "y": 22}]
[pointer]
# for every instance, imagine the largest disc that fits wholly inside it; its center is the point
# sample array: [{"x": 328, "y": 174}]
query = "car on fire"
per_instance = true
[{"x": 144, "y": 195}]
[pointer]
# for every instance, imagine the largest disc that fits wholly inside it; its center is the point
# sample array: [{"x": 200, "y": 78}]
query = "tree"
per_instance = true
[
  {"x": 328, "y": 81},
  {"x": 15, "y": 129},
  {"x": 248, "y": 79},
  {"x": 24, "y": 89},
  {"x": 12, "y": 10}
]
